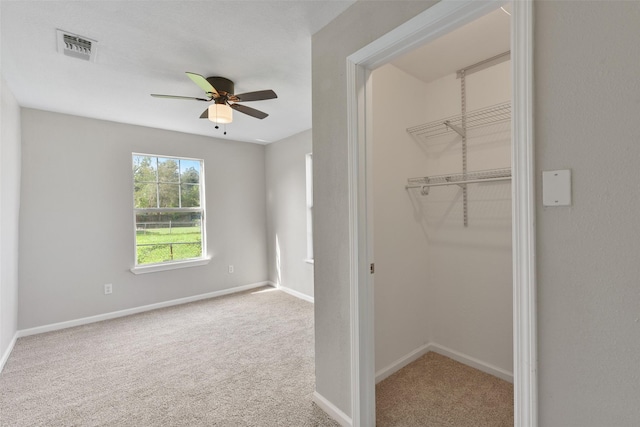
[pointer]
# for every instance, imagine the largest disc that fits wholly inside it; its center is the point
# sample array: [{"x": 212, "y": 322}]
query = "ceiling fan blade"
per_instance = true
[
  {"x": 203, "y": 83},
  {"x": 256, "y": 96},
  {"x": 249, "y": 111},
  {"x": 205, "y": 115},
  {"x": 179, "y": 97}
]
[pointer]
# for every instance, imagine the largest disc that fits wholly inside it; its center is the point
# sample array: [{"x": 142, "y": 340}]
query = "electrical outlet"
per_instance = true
[
  {"x": 108, "y": 288},
  {"x": 231, "y": 269}
]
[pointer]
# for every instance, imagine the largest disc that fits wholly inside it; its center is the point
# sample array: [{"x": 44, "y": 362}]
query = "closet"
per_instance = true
[{"x": 441, "y": 168}]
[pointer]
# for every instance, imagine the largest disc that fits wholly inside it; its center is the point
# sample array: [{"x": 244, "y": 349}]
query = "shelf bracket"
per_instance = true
[{"x": 455, "y": 128}]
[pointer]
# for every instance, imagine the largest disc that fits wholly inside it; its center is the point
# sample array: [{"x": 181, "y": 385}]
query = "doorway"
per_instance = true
[{"x": 434, "y": 22}]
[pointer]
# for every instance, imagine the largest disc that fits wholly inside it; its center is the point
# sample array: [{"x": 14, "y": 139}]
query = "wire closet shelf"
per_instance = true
[
  {"x": 460, "y": 123},
  {"x": 424, "y": 182}
]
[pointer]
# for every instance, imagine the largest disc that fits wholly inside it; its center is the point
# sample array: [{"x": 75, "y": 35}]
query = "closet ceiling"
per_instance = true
[
  {"x": 481, "y": 39},
  {"x": 146, "y": 47}
]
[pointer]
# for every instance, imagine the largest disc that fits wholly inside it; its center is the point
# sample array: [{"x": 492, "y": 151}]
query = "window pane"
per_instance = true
[
  {"x": 162, "y": 183},
  {"x": 190, "y": 171},
  {"x": 167, "y": 236},
  {"x": 144, "y": 169},
  {"x": 145, "y": 195},
  {"x": 168, "y": 170},
  {"x": 169, "y": 195},
  {"x": 190, "y": 196}
]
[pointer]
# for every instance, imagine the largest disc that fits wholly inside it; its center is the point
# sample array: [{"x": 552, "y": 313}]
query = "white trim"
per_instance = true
[
  {"x": 309, "y": 261},
  {"x": 343, "y": 419},
  {"x": 293, "y": 292},
  {"x": 472, "y": 361},
  {"x": 361, "y": 288},
  {"x": 436, "y": 21},
  {"x": 135, "y": 310},
  {"x": 7, "y": 352},
  {"x": 525, "y": 363},
  {"x": 402, "y": 362},
  {"x": 430, "y": 24},
  {"x": 153, "y": 268},
  {"x": 141, "y": 269},
  {"x": 444, "y": 351}
]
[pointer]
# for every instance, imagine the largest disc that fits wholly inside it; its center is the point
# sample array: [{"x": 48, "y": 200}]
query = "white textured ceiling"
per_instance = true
[{"x": 146, "y": 47}]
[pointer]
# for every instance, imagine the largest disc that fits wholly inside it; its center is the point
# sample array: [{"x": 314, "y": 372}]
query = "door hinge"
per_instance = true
[{"x": 372, "y": 268}]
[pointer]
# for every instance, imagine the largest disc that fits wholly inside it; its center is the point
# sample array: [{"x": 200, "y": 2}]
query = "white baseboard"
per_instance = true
[
  {"x": 473, "y": 362},
  {"x": 402, "y": 362},
  {"x": 293, "y": 292},
  {"x": 135, "y": 310},
  {"x": 452, "y": 354},
  {"x": 343, "y": 419},
  {"x": 7, "y": 352}
]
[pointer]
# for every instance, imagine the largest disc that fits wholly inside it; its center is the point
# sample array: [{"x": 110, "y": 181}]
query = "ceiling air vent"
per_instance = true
[{"x": 76, "y": 46}]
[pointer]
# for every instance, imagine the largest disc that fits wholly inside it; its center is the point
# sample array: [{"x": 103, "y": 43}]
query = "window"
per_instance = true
[
  {"x": 309, "y": 168},
  {"x": 168, "y": 209}
]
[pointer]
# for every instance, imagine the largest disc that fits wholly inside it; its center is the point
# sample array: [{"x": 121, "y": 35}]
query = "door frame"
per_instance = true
[{"x": 438, "y": 20}]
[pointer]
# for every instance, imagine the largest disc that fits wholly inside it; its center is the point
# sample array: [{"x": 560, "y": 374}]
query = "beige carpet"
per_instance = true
[
  {"x": 240, "y": 360},
  {"x": 440, "y": 392}
]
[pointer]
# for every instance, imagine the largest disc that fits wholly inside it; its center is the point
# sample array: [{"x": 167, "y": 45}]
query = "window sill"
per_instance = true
[
  {"x": 142, "y": 269},
  {"x": 309, "y": 261}
]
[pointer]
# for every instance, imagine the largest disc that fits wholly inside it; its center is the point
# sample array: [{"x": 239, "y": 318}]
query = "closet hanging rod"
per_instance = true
[
  {"x": 489, "y": 175},
  {"x": 468, "y": 181}
]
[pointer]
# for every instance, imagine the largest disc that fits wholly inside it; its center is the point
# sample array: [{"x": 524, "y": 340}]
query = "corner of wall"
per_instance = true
[
  {"x": 333, "y": 411},
  {"x": 285, "y": 179},
  {"x": 10, "y": 170}
]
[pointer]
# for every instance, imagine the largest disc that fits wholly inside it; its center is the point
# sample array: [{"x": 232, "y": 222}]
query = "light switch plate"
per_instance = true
[{"x": 556, "y": 188}]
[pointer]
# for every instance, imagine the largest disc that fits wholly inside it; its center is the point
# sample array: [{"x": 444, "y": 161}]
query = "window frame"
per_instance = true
[{"x": 170, "y": 265}]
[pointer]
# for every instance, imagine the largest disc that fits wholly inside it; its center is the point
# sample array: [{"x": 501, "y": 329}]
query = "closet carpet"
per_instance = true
[
  {"x": 240, "y": 360},
  {"x": 437, "y": 391}
]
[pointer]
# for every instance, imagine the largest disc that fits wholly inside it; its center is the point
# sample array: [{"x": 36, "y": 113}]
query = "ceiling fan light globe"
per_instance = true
[{"x": 220, "y": 113}]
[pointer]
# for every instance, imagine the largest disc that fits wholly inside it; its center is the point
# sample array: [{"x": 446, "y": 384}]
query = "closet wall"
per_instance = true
[
  {"x": 400, "y": 245},
  {"x": 438, "y": 282}
]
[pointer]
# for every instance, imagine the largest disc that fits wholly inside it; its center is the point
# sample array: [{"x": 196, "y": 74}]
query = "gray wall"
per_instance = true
[
  {"x": 76, "y": 219},
  {"x": 587, "y": 108},
  {"x": 587, "y": 96},
  {"x": 287, "y": 213},
  {"x": 9, "y": 211},
  {"x": 356, "y": 27}
]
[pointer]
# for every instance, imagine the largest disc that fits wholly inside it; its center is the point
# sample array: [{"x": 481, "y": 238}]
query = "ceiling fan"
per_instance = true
[{"x": 220, "y": 91}]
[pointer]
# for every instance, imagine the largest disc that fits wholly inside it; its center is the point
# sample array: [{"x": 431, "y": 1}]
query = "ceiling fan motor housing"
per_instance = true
[{"x": 223, "y": 85}]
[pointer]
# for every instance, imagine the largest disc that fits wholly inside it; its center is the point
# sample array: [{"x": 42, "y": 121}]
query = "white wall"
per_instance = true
[
  {"x": 437, "y": 281},
  {"x": 9, "y": 211},
  {"x": 402, "y": 280},
  {"x": 586, "y": 119},
  {"x": 471, "y": 267},
  {"x": 287, "y": 213},
  {"x": 76, "y": 219}
]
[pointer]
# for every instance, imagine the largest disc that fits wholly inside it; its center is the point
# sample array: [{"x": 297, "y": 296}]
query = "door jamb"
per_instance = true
[{"x": 430, "y": 24}]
